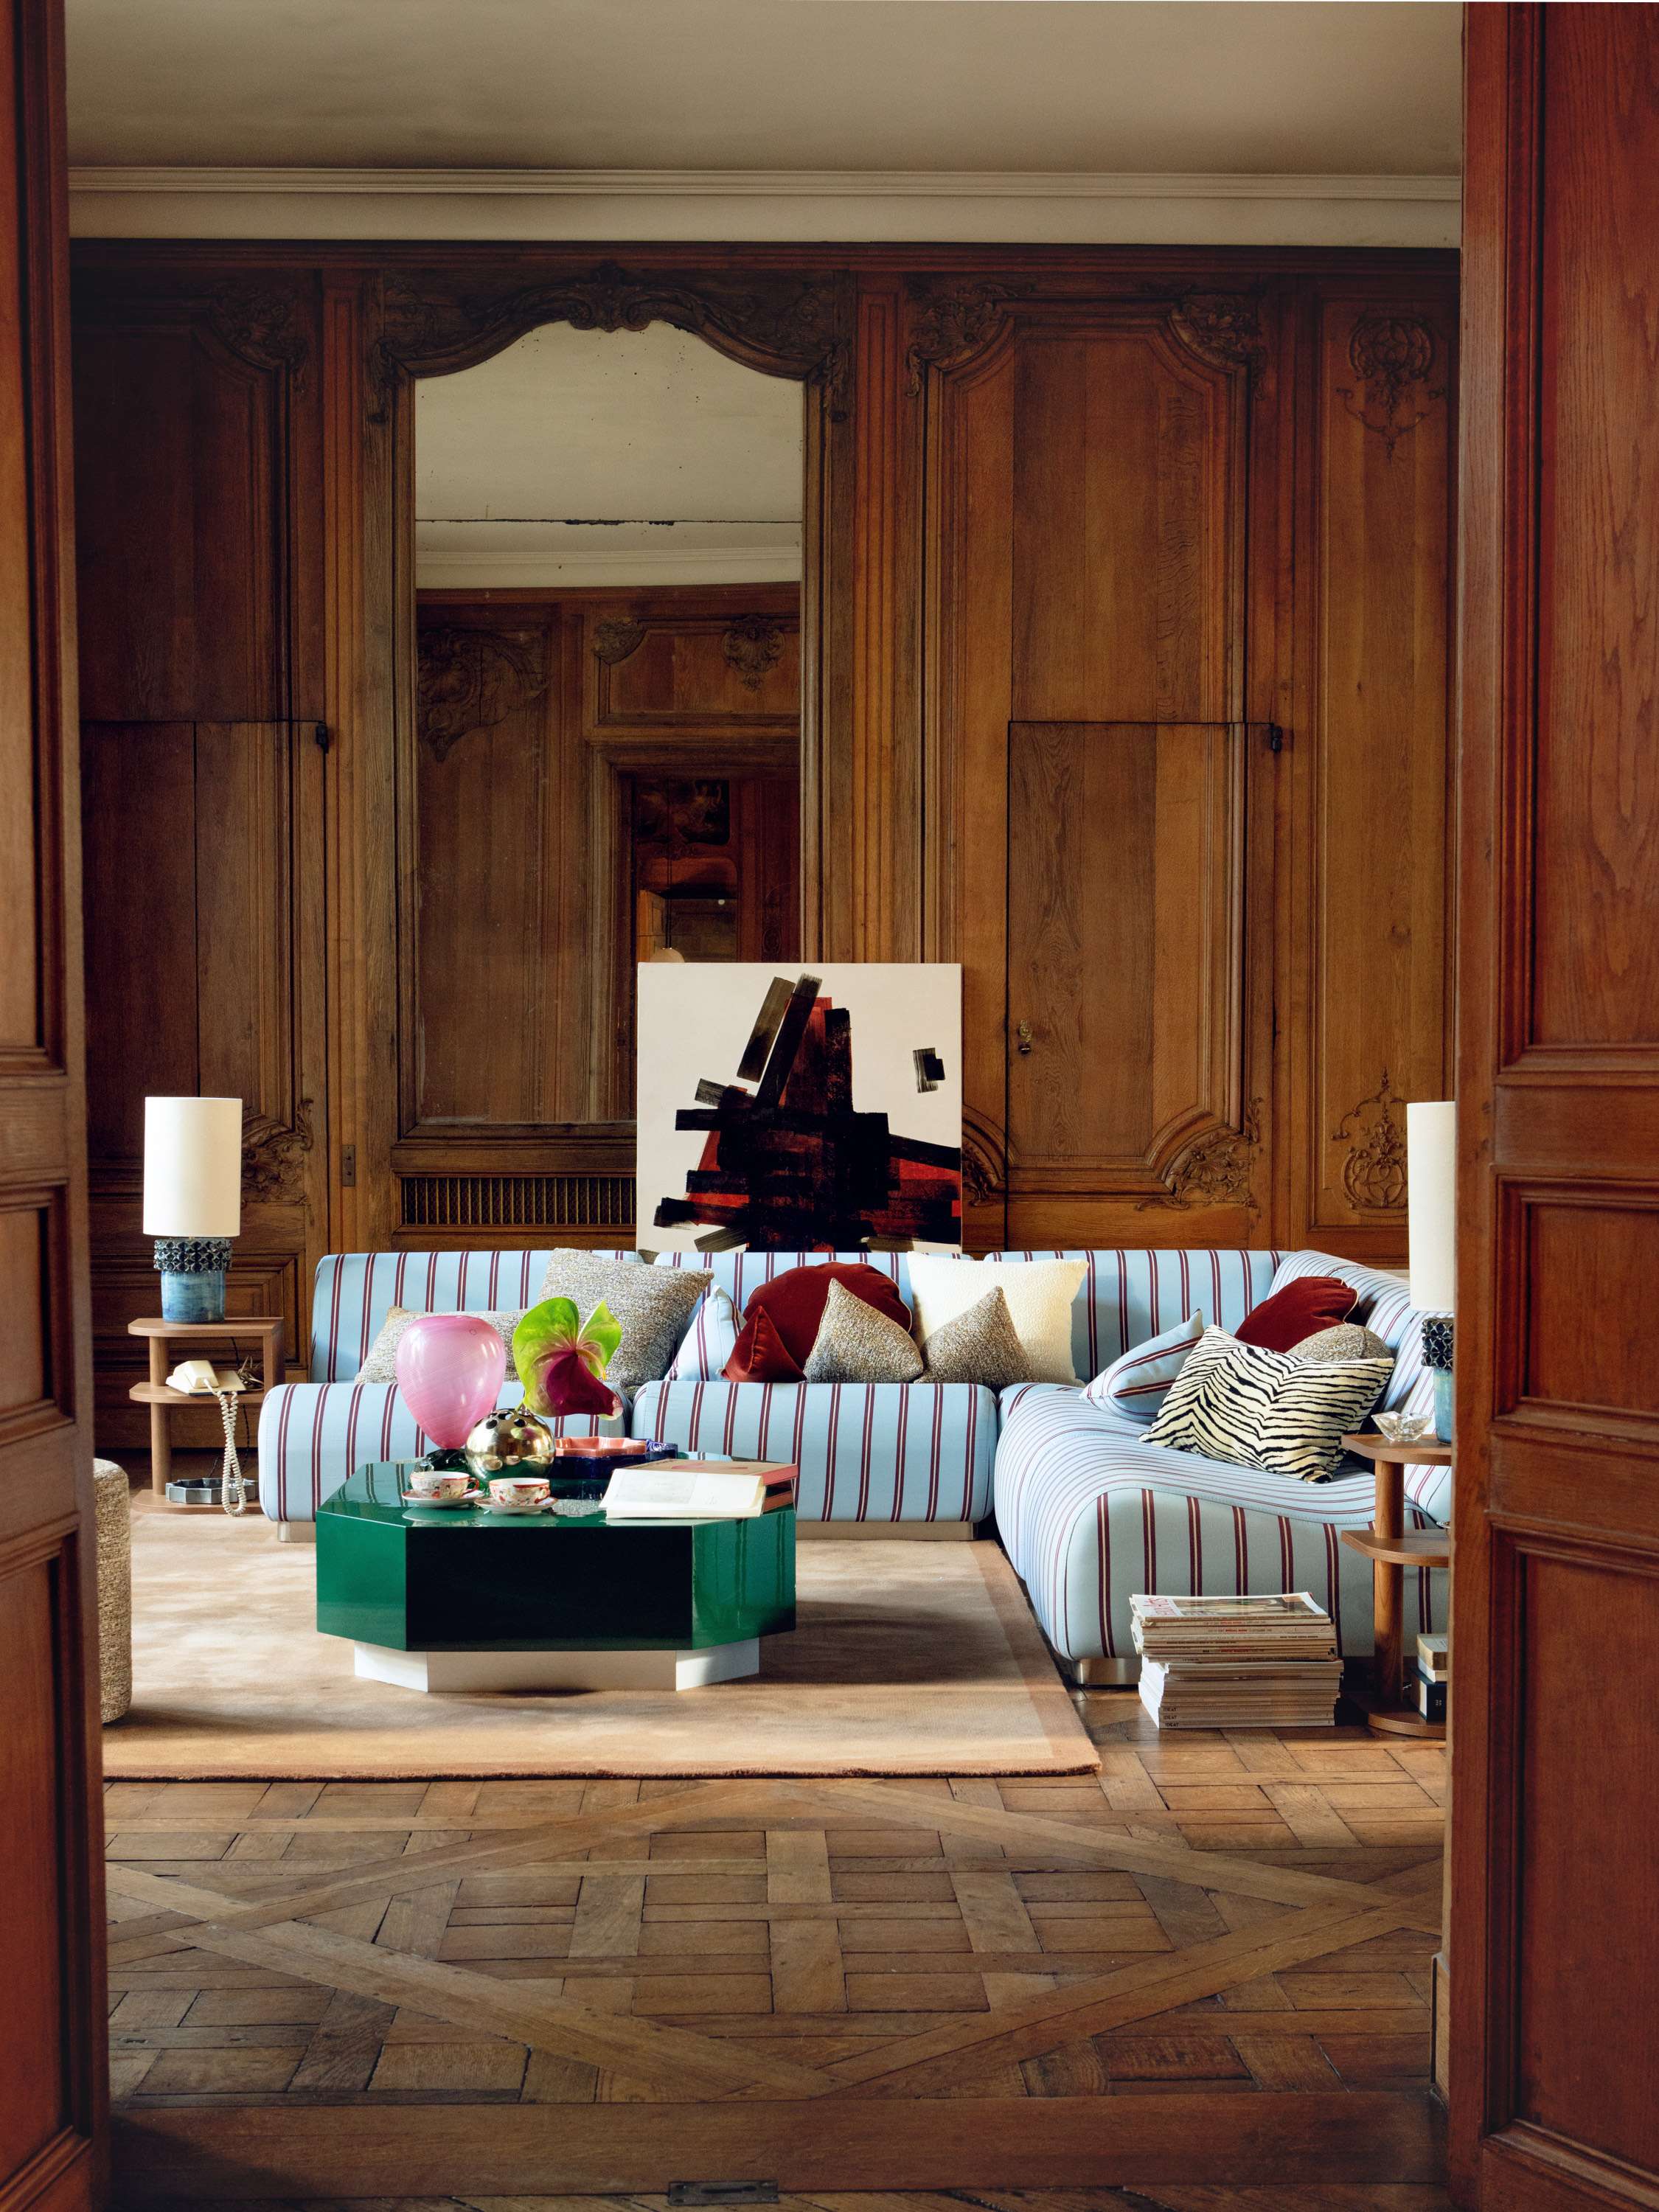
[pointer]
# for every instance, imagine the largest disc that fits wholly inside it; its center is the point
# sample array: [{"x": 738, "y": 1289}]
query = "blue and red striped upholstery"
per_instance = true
[
  {"x": 1091, "y": 1513},
  {"x": 866, "y": 1451}
]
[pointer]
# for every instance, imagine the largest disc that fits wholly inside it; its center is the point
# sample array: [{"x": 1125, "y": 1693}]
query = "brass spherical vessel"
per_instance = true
[{"x": 502, "y": 1444}]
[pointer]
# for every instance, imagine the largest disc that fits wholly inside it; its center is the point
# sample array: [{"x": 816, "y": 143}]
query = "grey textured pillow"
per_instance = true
[
  {"x": 651, "y": 1306},
  {"x": 381, "y": 1365},
  {"x": 980, "y": 1345},
  {"x": 856, "y": 1344},
  {"x": 1345, "y": 1341}
]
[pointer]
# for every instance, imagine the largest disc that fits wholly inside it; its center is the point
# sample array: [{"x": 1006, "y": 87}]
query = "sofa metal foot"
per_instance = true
[
  {"x": 296, "y": 1532},
  {"x": 1103, "y": 1674}
]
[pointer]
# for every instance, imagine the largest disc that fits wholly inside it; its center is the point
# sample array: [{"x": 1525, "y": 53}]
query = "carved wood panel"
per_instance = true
[
  {"x": 1372, "y": 757},
  {"x": 1085, "y": 562},
  {"x": 204, "y": 896}
]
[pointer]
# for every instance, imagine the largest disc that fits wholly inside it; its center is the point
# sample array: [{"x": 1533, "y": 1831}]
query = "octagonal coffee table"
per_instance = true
[{"x": 437, "y": 1598}]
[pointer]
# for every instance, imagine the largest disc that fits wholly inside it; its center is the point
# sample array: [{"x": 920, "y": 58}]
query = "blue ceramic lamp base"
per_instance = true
[
  {"x": 193, "y": 1271},
  {"x": 1437, "y": 1356}
]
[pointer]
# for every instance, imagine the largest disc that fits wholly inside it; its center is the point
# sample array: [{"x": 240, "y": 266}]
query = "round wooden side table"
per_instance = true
[{"x": 1391, "y": 1548}]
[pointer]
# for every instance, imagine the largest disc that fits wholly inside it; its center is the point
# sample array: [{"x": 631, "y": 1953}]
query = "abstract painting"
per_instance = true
[{"x": 819, "y": 1110}]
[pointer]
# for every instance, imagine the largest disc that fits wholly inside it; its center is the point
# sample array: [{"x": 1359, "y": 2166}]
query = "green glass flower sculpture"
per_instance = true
[{"x": 562, "y": 1359}]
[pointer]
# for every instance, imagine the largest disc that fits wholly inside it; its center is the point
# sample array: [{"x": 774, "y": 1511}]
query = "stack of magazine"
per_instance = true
[{"x": 1221, "y": 1662}]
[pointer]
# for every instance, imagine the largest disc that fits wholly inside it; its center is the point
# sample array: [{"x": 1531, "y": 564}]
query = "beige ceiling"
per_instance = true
[
  {"x": 583, "y": 457},
  {"x": 1327, "y": 86}
]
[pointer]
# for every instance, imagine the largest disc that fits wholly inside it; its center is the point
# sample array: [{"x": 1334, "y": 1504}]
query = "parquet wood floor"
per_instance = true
[{"x": 1204, "y": 1972}]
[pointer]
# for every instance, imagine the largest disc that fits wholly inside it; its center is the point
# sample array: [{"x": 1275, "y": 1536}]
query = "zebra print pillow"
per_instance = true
[{"x": 1267, "y": 1409}]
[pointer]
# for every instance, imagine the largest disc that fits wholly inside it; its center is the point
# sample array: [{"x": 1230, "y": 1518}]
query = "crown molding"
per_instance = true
[
  {"x": 644, "y": 567},
  {"x": 754, "y": 204}
]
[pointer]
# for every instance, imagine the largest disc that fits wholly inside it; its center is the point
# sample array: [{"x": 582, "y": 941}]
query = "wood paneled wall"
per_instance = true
[{"x": 1123, "y": 679}]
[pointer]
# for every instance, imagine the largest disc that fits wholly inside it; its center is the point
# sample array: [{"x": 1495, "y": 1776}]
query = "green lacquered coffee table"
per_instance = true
[{"x": 440, "y": 1599}]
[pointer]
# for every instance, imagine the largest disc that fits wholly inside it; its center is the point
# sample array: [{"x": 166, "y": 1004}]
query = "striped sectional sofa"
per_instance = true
[{"x": 1088, "y": 1512}]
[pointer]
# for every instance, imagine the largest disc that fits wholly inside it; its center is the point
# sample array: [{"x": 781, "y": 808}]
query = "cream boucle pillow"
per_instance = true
[
  {"x": 1039, "y": 1292},
  {"x": 381, "y": 1365}
]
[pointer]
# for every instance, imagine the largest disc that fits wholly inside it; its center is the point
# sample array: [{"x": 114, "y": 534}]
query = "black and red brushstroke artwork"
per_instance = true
[{"x": 792, "y": 1165}]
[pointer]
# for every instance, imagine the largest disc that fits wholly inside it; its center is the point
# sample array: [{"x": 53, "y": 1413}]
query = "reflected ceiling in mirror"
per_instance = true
[{"x": 591, "y": 458}]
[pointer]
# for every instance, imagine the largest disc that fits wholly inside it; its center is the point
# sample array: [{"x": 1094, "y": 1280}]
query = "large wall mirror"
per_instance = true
[{"x": 605, "y": 763}]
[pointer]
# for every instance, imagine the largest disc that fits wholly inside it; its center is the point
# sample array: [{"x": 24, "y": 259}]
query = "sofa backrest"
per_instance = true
[
  {"x": 1126, "y": 1296},
  {"x": 355, "y": 1290},
  {"x": 1385, "y": 1307}
]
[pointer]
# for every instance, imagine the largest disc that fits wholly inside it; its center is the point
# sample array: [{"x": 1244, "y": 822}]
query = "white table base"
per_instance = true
[{"x": 558, "y": 1670}]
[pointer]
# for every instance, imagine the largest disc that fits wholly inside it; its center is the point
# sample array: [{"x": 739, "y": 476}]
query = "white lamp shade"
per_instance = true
[
  {"x": 1432, "y": 1198},
  {"x": 192, "y": 1167}
]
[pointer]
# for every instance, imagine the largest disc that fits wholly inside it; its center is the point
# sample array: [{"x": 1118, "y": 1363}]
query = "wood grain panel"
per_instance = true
[
  {"x": 1590, "y": 1676},
  {"x": 1374, "y": 770},
  {"x": 1555, "y": 2027},
  {"x": 138, "y": 813},
  {"x": 53, "y": 2089},
  {"x": 1597, "y": 804}
]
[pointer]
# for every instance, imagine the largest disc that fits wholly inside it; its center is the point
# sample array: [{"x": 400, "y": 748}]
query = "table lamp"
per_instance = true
[
  {"x": 192, "y": 1199},
  {"x": 1432, "y": 1203}
]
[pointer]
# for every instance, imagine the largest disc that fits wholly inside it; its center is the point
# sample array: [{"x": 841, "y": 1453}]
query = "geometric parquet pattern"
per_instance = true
[{"x": 1246, "y": 1915}]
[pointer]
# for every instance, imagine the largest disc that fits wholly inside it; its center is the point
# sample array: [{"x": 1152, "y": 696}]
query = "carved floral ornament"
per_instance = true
[
  {"x": 614, "y": 641},
  {"x": 1374, "y": 1172},
  {"x": 1218, "y": 1168},
  {"x": 752, "y": 646},
  {"x": 273, "y": 1156},
  {"x": 472, "y": 679},
  {"x": 951, "y": 321},
  {"x": 1393, "y": 356},
  {"x": 786, "y": 325}
]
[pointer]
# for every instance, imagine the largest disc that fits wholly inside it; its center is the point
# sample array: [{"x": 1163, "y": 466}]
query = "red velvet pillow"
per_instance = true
[
  {"x": 781, "y": 1321},
  {"x": 1309, "y": 1304}
]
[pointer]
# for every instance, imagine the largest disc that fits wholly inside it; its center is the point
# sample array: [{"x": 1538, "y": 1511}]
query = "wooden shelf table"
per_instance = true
[
  {"x": 1391, "y": 1548},
  {"x": 209, "y": 1338}
]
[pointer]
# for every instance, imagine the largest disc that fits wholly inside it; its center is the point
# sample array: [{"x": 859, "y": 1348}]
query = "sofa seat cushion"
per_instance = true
[
  {"x": 1091, "y": 1514},
  {"x": 313, "y": 1435},
  {"x": 866, "y": 1451}
]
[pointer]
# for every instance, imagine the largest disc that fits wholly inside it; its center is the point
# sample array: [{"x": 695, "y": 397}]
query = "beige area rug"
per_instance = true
[{"x": 907, "y": 1658}]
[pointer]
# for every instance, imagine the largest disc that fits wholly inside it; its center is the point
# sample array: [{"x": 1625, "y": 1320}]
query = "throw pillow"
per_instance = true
[
  {"x": 1254, "y": 1408},
  {"x": 1138, "y": 1384},
  {"x": 1310, "y": 1303},
  {"x": 1039, "y": 1295},
  {"x": 855, "y": 1343},
  {"x": 980, "y": 1345},
  {"x": 763, "y": 1355},
  {"x": 650, "y": 1305},
  {"x": 381, "y": 1363},
  {"x": 1349, "y": 1339},
  {"x": 792, "y": 1303},
  {"x": 709, "y": 1342}
]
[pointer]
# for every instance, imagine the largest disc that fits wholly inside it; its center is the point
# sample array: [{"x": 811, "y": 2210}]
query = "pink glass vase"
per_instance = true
[{"x": 450, "y": 1367}]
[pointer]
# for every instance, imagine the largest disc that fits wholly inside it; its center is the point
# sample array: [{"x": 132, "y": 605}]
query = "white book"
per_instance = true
[{"x": 680, "y": 1490}]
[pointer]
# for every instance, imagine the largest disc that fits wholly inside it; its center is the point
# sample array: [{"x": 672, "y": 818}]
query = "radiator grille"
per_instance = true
[{"x": 551, "y": 1202}]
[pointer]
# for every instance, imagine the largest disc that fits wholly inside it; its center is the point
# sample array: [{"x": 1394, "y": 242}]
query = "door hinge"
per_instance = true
[
  {"x": 722, "y": 2192},
  {"x": 348, "y": 1166},
  {"x": 321, "y": 732},
  {"x": 1275, "y": 739}
]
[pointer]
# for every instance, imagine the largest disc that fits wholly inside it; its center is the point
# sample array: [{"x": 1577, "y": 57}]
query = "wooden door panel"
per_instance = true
[
  {"x": 203, "y": 906},
  {"x": 1124, "y": 930},
  {"x": 1555, "y": 1927},
  {"x": 53, "y": 2092}
]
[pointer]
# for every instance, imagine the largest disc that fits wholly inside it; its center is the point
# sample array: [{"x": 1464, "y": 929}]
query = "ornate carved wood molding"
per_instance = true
[
  {"x": 1394, "y": 357},
  {"x": 273, "y": 1156},
  {"x": 954, "y": 319},
  {"x": 1374, "y": 1173},
  {"x": 1223, "y": 328},
  {"x": 984, "y": 1160},
  {"x": 614, "y": 641},
  {"x": 260, "y": 325},
  {"x": 794, "y": 326},
  {"x": 470, "y": 679},
  {"x": 1216, "y": 1169},
  {"x": 753, "y": 645}
]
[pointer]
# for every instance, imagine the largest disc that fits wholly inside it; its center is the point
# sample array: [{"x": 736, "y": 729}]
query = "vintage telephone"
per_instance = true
[
  {"x": 202, "y": 1375},
  {"x": 201, "y": 1378}
]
